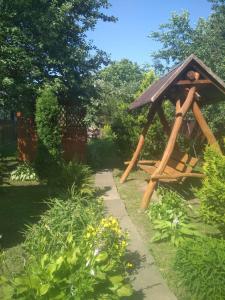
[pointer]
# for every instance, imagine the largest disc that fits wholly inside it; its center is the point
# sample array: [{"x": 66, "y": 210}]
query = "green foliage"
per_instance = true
[
  {"x": 128, "y": 128},
  {"x": 77, "y": 177},
  {"x": 175, "y": 232},
  {"x": 201, "y": 266},
  {"x": 47, "y": 122},
  {"x": 179, "y": 39},
  {"x": 148, "y": 78},
  {"x": 115, "y": 84},
  {"x": 44, "y": 42},
  {"x": 24, "y": 172},
  {"x": 49, "y": 134},
  {"x": 74, "y": 214},
  {"x": 73, "y": 253},
  {"x": 169, "y": 217},
  {"x": 212, "y": 191},
  {"x": 170, "y": 206},
  {"x": 103, "y": 152},
  {"x": 118, "y": 85}
]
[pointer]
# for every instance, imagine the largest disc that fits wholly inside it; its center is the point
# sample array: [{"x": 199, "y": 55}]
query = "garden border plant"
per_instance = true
[{"x": 73, "y": 252}]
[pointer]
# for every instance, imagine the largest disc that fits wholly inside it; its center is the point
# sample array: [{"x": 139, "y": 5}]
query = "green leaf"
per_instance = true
[
  {"x": 69, "y": 237},
  {"x": 44, "y": 259},
  {"x": 125, "y": 291},
  {"x": 116, "y": 279},
  {"x": 102, "y": 257},
  {"x": 100, "y": 275},
  {"x": 44, "y": 289}
]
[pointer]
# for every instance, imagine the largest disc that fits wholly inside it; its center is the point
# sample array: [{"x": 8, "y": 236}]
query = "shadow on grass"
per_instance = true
[
  {"x": 185, "y": 189},
  {"x": 20, "y": 205},
  {"x": 7, "y": 165}
]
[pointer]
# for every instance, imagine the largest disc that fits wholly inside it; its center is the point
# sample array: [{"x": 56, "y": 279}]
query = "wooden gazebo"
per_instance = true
[{"x": 189, "y": 86}]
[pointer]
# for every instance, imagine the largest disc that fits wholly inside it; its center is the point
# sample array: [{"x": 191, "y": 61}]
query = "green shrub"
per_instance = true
[
  {"x": 74, "y": 214},
  {"x": 103, "y": 152},
  {"x": 170, "y": 218},
  {"x": 171, "y": 205},
  {"x": 24, "y": 172},
  {"x": 73, "y": 253},
  {"x": 49, "y": 134},
  {"x": 76, "y": 177},
  {"x": 201, "y": 266},
  {"x": 212, "y": 191},
  {"x": 127, "y": 128}
]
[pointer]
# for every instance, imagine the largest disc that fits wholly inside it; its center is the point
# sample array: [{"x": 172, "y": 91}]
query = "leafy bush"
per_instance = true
[
  {"x": 201, "y": 266},
  {"x": 73, "y": 252},
  {"x": 128, "y": 127},
  {"x": 74, "y": 214},
  {"x": 103, "y": 152},
  {"x": 69, "y": 259},
  {"x": 212, "y": 191},
  {"x": 170, "y": 206},
  {"x": 77, "y": 177},
  {"x": 170, "y": 218},
  {"x": 24, "y": 172}
]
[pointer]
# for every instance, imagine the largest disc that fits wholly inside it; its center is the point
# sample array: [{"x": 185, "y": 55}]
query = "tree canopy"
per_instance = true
[
  {"x": 179, "y": 39},
  {"x": 116, "y": 86},
  {"x": 45, "y": 42}
]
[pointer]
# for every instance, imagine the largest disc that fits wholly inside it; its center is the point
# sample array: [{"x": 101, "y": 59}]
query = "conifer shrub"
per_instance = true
[
  {"x": 49, "y": 134},
  {"x": 212, "y": 191}
]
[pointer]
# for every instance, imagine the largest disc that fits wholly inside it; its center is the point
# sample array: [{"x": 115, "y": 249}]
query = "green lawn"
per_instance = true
[
  {"x": 131, "y": 192},
  {"x": 20, "y": 204}
]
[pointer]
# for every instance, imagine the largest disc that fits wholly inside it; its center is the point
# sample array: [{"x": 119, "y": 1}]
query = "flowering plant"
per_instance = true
[
  {"x": 169, "y": 217},
  {"x": 94, "y": 269}
]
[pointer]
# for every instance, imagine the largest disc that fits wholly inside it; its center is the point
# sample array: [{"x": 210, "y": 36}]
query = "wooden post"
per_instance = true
[
  {"x": 204, "y": 126},
  {"x": 170, "y": 146},
  {"x": 140, "y": 144}
]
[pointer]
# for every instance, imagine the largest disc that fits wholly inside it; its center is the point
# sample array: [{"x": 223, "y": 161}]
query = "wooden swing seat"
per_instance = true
[{"x": 179, "y": 166}]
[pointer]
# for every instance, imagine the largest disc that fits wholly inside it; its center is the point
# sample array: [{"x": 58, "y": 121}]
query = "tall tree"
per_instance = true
[
  {"x": 44, "y": 41},
  {"x": 117, "y": 85},
  {"x": 179, "y": 39},
  {"x": 207, "y": 40}
]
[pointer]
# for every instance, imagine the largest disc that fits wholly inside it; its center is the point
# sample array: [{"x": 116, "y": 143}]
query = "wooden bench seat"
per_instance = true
[{"x": 178, "y": 168}]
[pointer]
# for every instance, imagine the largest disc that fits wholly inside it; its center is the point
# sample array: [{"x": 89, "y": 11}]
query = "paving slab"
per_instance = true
[{"x": 147, "y": 281}]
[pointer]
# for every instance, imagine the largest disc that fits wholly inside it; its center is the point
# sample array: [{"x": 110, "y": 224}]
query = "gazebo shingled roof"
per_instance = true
[{"x": 166, "y": 86}]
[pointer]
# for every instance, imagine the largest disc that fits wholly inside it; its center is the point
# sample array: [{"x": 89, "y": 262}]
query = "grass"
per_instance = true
[
  {"x": 131, "y": 193},
  {"x": 20, "y": 204}
]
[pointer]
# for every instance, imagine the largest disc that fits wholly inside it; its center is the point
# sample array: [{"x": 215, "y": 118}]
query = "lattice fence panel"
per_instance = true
[{"x": 74, "y": 137}]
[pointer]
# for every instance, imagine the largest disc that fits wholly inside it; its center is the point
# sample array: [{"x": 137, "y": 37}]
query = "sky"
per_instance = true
[{"x": 128, "y": 37}]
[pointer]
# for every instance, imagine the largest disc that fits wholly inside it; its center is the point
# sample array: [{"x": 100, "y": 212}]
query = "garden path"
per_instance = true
[{"x": 146, "y": 279}]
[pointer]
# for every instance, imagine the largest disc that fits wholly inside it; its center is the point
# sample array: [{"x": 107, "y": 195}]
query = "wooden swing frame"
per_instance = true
[{"x": 190, "y": 101}]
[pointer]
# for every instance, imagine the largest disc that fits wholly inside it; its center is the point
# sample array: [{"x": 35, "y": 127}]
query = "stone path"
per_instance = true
[{"x": 147, "y": 282}]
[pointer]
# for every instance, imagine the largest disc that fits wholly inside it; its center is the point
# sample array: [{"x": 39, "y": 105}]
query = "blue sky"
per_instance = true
[{"x": 128, "y": 37}]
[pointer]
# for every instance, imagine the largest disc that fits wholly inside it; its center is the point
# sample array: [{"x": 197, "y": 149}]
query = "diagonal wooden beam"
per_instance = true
[
  {"x": 151, "y": 115},
  {"x": 204, "y": 126},
  {"x": 180, "y": 113}
]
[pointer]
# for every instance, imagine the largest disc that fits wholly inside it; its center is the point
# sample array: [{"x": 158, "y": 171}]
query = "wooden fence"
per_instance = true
[{"x": 74, "y": 138}]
